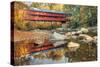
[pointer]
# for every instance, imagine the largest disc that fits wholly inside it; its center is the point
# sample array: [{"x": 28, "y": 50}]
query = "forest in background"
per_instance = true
[{"x": 82, "y": 16}]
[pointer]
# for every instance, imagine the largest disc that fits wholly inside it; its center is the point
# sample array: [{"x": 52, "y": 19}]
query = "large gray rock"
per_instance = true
[{"x": 58, "y": 36}]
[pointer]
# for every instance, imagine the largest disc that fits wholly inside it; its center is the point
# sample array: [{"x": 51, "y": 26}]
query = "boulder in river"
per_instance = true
[
  {"x": 86, "y": 38},
  {"x": 59, "y": 43},
  {"x": 84, "y": 30},
  {"x": 72, "y": 46},
  {"x": 58, "y": 36},
  {"x": 95, "y": 39}
]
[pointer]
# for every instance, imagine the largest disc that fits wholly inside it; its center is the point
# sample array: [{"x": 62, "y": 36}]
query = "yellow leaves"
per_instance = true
[
  {"x": 20, "y": 50},
  {"x": 18, "y": 15},
  {"x": 56, "y": 55},
  {"x": 18, "y": 19},
  {"x": 58, "y": 7},
  {"x": 45, "y": 7},
  {"x": 20, "y": 5},
  {"x": 44, "y": 24}
]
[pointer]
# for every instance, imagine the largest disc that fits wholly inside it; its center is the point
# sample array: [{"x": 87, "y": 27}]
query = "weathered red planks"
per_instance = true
[
  {"x": 34, "y": 18},
  {"x": 31, "y": 15},
  {"x": 44, "y": 13}
]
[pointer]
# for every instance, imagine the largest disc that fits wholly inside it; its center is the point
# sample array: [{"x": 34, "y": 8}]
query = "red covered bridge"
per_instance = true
[{"x": 45, "y": 15}]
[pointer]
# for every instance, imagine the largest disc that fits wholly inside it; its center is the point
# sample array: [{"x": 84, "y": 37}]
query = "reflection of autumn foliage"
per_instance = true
[
  {"x": 23, "y": 41},
  {"x": 21, "y": 49},
  {"x": 56, "y": 55}
]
